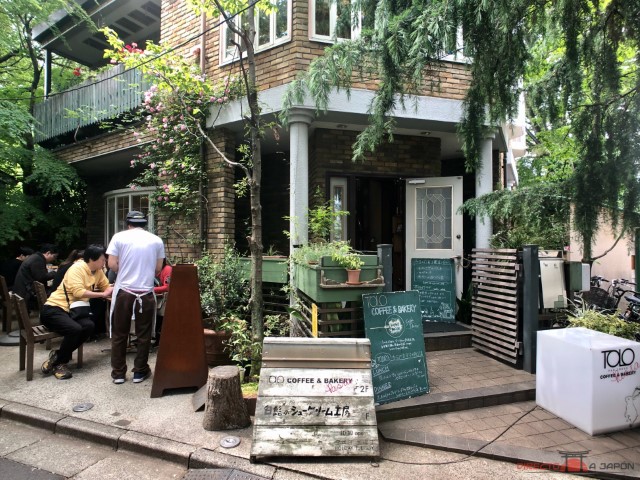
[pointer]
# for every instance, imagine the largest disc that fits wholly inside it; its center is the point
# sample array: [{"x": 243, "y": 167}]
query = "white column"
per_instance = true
[
  {"x": 484, "y": 185},
  {"x": 299, "y": 121}
]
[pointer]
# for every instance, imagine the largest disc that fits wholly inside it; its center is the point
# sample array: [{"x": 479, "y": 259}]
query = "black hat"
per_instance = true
[{"x": 136, "y": 217}]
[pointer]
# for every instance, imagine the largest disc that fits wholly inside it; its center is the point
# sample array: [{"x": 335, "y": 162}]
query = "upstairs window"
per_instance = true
[
  {"x": 324, "y": 23},
  {"x": 271, "y": 29}
]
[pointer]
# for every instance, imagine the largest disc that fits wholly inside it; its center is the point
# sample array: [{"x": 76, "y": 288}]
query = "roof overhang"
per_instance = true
[{"x": 70, "y": 37}]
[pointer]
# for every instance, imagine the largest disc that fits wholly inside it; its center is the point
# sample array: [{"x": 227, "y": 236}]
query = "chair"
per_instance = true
[
  {"x": 41, "y": 298},
  {"x": 30, "y": 335},
  {"x": 41, "y": 293},
  {"x": 5, "y": 304}
]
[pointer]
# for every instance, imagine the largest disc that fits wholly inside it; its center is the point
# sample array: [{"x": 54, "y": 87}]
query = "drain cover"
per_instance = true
[
  {"x": 230, "y": 442},
  {"x": 82, "y": 407}
]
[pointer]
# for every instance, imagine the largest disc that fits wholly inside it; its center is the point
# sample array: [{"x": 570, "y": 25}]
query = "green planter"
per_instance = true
[
  {"x": 274, "y": 269},
  {"x": 326, "y": 282}
]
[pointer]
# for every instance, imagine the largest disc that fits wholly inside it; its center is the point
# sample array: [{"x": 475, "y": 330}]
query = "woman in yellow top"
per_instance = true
[{"x": 67, "y": 309}]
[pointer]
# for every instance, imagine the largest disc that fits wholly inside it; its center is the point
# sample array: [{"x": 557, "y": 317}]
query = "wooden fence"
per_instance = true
[{"x": 496, "y": 302}]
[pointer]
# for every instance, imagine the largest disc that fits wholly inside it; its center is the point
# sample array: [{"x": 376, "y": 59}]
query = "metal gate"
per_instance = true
[{"x": 496, "y": 302}]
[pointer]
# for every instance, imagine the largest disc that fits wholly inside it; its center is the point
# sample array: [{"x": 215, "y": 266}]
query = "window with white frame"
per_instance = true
[
  {"x": 324, "y": 25},
  {"x": 338, "y": 189},
  {"x": 120, "y": 202},
  {"x": 272, "y": 29}
]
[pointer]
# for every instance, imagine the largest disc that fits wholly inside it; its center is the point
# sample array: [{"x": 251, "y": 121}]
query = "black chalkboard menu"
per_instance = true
[
  {"x": 435, "y": 279},
  {"x": 394, "y": 327}
]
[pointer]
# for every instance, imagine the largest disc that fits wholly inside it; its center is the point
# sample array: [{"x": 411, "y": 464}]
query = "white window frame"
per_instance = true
[
  {"x": 343, "y": 184},
  {"x": 458, "y": 56},
  {"x": 333, "y": 18},
  {"x": 110, "y": 230},
  {"x": 226, "y": 58}
]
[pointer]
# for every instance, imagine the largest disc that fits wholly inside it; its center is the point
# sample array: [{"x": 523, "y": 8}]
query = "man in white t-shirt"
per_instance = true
[{"x": 136, "y": 255}]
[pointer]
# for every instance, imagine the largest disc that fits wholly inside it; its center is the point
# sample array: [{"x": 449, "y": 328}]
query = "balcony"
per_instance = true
[{"x": 107, "y": 96}]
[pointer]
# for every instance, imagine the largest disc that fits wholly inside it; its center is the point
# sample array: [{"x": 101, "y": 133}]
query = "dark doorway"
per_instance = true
[{"x": 378, "y": 218}]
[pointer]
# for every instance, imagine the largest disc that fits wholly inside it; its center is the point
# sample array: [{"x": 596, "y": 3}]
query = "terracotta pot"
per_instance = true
[
  {"x": 214, "y": 348},
  {"x": 353, "y": 277}
]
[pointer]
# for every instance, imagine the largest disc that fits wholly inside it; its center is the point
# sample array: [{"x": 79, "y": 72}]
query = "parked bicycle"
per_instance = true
[{"x": 605, "y": 300}]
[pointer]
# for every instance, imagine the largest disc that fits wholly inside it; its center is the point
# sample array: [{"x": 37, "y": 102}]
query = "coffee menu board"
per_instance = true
[
  {"x": 393, "y": 324},
  {"x": 435, "y": 279}
]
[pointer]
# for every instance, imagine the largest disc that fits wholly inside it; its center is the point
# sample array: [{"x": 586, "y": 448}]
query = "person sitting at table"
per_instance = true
[
  {"x": 34, "y": 268},
  {"x": 67, "y": 310},
  {"x": 9, "y": 268}
]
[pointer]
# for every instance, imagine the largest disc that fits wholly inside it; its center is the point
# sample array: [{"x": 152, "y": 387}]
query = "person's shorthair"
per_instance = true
[
  {"x": 93, "y": 252},
  {"x": 48, "y": 247}
]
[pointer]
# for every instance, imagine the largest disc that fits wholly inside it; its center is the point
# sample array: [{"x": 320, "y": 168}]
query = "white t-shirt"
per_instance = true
[{"x": 137, "y": 251}]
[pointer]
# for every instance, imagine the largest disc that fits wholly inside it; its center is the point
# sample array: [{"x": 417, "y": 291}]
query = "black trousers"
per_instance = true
[{"x": 75, "y": 332}]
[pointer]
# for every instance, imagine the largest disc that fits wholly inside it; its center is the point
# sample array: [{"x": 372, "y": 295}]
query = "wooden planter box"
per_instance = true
[
  {"x": 274, "y": 269},
  {"x": 326, "y": 282}
]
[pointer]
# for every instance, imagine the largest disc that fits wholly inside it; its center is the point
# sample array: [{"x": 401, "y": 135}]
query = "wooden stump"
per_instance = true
[{"x": 224, "y": 408}]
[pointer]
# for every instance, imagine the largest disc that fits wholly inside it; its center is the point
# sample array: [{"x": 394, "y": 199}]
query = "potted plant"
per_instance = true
[
  {"x": 351, "y": 261},
  {"x": 224, "y": 295}
]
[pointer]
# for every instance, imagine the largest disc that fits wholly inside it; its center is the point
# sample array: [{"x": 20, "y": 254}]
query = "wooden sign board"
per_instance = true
[
  {"x": 315, "y": 398},
  {"x": 393, "y": 324},
  {"x": 435, "y": 280}
]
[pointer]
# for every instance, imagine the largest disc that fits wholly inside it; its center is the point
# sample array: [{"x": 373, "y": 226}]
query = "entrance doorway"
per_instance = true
[{"x": 378, "y": 218}]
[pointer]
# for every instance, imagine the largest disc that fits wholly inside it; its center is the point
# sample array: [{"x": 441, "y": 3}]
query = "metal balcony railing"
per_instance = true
[{"x": 107, "y": 96}]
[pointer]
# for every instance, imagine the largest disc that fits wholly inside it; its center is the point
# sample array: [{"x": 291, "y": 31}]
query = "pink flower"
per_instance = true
[
  {"x": 171, "y": 140},
  {"x": 212, "y": 99},
  {"x": 183, "y": 127},
  {"x": 159, "y": 198},
  {"x": 220, "y": 100},
  {"x": 166, "y": 199},
  {"x": 164, "y": 172},
  {"x": 152, "y": 165},
  {"x": 165, "y": 120},
  {"x": 135, "y": 134},
  {"x": 133, "y": 162}
]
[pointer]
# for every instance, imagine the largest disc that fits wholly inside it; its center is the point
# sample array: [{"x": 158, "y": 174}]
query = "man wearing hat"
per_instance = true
[{"x": 136, "y": 255}]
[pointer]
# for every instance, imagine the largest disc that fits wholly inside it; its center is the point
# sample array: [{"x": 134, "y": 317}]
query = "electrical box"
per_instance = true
[
  {"x": 552, "y": 278},
  {"x": 579, "y": 277}
]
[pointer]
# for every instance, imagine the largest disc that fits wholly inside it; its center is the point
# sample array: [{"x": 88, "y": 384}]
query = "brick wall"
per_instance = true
[
  {"x": 99, "y": 145},
  {"x": 331, "y": 150}
]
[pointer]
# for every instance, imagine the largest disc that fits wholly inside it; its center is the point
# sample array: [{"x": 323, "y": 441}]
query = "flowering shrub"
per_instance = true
[{"x": 174, "y": 111}]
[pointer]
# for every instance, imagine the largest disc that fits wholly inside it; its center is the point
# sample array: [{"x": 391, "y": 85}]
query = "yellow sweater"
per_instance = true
[{"x": 77, "y": 279}]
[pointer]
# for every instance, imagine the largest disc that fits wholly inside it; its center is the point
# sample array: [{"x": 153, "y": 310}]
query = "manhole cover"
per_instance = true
[
  {"x": 82, "y": 407},
  {"x": 230, "y": 442}
]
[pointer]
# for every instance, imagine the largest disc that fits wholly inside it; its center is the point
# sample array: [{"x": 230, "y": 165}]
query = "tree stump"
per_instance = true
[{"x": 225, "y": 408}]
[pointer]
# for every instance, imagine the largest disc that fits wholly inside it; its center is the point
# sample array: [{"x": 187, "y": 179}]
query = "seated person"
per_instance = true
[
  {"x": 9, "y": 268},
  {"x": 84, "y": 280},
  {"x": 34, "y": 268},
  {"x": 161, "y": 290}
]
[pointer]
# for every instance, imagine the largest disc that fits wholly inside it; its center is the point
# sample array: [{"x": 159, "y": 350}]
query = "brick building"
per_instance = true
[{"x": 405, "y": 194}]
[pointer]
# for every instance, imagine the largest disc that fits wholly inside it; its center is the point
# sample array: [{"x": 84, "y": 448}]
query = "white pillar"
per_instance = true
[
  {"x": 484, "y": 185},
  {"x": 299, "y": 121}
]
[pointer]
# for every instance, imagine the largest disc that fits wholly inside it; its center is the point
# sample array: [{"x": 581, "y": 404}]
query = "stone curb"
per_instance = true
[
  {"x": 507, "y": 453},
  {"x": 91, "y": 431},
  {"x": 164, "y": 448},
  {"x": 436, "y": 403},
  {"x": 33, "y": 416}
]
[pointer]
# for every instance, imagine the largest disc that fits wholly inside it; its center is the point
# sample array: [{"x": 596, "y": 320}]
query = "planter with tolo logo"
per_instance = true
[{"x": 589, "y": 379}]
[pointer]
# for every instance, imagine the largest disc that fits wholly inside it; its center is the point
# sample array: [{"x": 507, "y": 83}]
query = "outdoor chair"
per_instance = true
[
  {"x": 41, "y": 298},
  {"x": 32, "y": 334},
  {"x": 5, "y": 304}
]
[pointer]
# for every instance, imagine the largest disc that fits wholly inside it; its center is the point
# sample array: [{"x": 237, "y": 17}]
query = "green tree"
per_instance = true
[
  {"x": 186, "y": 96},
  {"x": 581, "y": 56},
  {"x": 37, "y": 192}
]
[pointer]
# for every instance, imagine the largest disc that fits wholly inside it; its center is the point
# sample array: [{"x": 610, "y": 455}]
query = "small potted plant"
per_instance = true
[{"x": 352, "y": 263}]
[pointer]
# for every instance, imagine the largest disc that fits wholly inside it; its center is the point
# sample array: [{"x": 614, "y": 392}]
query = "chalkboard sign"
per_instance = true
[
  {"x": 435, "y": 279},
  {"x": 394, "y": 327}
]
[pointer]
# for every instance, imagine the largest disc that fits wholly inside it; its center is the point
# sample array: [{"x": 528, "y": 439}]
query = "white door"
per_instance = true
[{"x": 434, "y": 224}]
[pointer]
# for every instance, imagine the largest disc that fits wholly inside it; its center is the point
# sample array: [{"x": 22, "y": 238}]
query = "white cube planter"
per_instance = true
[{"x": 589, "y": 379}]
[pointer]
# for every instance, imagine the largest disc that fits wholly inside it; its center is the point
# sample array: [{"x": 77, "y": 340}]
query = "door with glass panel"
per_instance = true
[{"x": 434, "y": 241}]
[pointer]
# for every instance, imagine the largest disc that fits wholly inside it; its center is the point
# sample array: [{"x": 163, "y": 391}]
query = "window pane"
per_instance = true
[
  {"x": 121, "y": 212},
  {"x": 433, "y": 218},
  {"x": 323, "y": 10},
  {"x": 343, "y": 27},
  {"x": 230, "y": 48},
  {"x": 264, "y": 24},
  {"x": 282, "y": 24}
]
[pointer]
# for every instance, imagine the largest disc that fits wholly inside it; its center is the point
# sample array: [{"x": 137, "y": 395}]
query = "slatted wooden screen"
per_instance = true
[{"x": 495, "y": 302}]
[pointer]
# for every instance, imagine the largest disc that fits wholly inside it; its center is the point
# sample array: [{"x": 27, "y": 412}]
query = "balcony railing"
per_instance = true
[{"x": 107, "y": 96}]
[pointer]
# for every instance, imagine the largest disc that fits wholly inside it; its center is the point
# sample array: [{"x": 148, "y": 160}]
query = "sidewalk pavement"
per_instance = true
[{"x": 125, "y": 418}]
